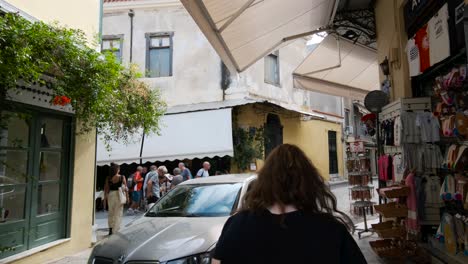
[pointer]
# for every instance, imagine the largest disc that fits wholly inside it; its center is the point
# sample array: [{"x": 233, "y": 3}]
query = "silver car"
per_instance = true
[{"x": 181, "y": 228}]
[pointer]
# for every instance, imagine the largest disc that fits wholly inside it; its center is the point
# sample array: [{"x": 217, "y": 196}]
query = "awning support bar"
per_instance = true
[
  {"x": 338, "y": 43},
  {"x": 236, "y": 15}
]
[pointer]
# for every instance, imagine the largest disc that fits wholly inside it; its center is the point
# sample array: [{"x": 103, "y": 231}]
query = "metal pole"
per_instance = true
[{"x": 131, "y": 14}]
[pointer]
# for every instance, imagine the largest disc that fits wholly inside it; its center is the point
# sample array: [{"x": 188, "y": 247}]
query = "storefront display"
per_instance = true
[{"x": 360, "y": 180}]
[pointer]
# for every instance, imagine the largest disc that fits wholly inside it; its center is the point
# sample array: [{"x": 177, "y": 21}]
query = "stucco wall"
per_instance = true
[
  {"x": 311, "y": 136},
  {"x": 391, "y": 35},
  {"x": 197, "y": 67},
  {"x": 82, "y": 14}
]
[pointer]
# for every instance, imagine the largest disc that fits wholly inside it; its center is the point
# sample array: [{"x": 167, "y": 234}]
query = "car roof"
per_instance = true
[{"x": 228, "y": 178}]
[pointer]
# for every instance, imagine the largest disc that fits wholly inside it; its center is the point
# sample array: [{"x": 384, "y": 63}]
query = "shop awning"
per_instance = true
[
  {"x": 244, "y": 31},
  {"x": 119, "y": 153},
  {"x": 352, "y": 76},
  {"x": 190, "y": 135}
]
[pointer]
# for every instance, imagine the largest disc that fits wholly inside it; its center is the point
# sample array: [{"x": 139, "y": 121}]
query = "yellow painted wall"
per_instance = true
[
  {"x": 84, "y": 15},
  {"x": 78, "y": 14},
  {"x": 391, "y": 35},
  {"x": 311, "y": 136}
]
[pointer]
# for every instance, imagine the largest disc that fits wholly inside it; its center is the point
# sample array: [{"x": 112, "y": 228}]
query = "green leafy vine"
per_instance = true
[{"x": 103, "y": 93}]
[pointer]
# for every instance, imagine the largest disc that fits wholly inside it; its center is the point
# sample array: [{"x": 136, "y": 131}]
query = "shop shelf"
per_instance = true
[
  {"x": 394, "y": 192},
  {"x": 392, "y": 233},
  {"x": 392, "y": 210},
  {"x": 383, "y": 225}
]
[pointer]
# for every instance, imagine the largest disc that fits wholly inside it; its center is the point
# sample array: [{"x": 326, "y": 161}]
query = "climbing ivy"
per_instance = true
[{"x": 104, "y": 93}]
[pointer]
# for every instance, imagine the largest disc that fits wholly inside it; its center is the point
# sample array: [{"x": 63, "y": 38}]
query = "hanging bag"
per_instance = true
[{"x": 122, "y": 196}]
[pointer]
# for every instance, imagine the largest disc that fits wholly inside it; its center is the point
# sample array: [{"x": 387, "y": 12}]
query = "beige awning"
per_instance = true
[
  {"x": 244, "y": 31},
  {"x": 352, "y": 76}
]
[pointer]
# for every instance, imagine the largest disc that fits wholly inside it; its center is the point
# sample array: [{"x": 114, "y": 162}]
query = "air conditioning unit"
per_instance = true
[{"x": 349, "y": 130}]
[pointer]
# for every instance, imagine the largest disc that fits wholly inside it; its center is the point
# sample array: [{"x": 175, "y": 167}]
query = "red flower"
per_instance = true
[{"x": 61, "y": 100}]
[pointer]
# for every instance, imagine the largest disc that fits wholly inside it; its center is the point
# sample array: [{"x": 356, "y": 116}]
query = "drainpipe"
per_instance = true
[{"x": 131, "y": 14}]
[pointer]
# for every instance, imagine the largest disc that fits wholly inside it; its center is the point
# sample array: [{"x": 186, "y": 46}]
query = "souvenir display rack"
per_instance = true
[
  {"x": 360, "y": 191},
  {"x": 394, "y": 242}
]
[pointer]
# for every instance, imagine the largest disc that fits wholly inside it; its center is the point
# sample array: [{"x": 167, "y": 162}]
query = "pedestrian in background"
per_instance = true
[
  {"x": 144, "y": 172},
  {"x": 153, "y": 171},
  {"x": 165, "y": 183},
  {"x": 111, "y": 190},
  {"x": 204, "y": 172},
  {"x": 288, "y": 216},
  {"x": 177, "y": 179},
  {"x": 137, "y": 183},
  {"x": 153, "y": 189},
  {"x": 185, "y": 172}
]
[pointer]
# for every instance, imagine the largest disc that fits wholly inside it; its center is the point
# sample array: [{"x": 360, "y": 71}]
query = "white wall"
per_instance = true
[{"x": 196, "y": 66}]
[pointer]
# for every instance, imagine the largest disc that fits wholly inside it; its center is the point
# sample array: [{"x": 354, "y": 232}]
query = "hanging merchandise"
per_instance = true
[
  {"x": 412, "y": 53},
  {"x": 438, "y": 32},
  {"x": 422, "y": 42}
]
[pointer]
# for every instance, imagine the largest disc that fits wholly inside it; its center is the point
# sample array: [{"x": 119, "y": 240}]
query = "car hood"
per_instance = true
[{"x": 161, "y": 238}]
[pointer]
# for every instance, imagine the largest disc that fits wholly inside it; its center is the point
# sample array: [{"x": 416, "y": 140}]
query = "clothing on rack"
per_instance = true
[
  {"x": 397, "y": 131},
  {"x": 411, "y": 133},
  {"x": 385, "y": 163},
  {"x": 423, "y": 157},
  {"x": 411, "y": 202},
  {"x": 429, "y": 126},
  {"x": 398, "y": 167},
  {"x": 388, "y": 127}
]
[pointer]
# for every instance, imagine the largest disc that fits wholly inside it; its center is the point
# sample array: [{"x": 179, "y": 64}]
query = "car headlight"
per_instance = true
[{"x": 204, "y": 258}]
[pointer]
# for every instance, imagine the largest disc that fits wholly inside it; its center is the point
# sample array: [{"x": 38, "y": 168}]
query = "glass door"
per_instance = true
[
  {"x": 15, "y": 166},
  {"x": 48, "y": 208},
  {"x": 34, "y": 170}
]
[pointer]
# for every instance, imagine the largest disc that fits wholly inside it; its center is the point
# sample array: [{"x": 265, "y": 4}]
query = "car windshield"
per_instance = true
[{"x": 197, "y": 201}]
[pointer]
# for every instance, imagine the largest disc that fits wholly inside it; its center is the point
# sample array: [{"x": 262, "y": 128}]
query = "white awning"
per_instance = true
[
  {"x": 191, "y": 135},
  {"x": 355, "y": 74},
  {"x": 244, "y": 31},
  {"x": 119, "y": 153},
  {"x": 183, "y": 136}
]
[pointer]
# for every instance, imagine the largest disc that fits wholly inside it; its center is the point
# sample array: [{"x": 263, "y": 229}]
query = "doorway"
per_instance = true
[
  {"x": 34, "y": 169},
  {"x": 273, "y": 133},
  {"x": 332, "y": 152}
]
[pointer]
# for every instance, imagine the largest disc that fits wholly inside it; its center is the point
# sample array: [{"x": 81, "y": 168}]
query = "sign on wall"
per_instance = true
[
  {"x": 356, "y": 147},
  {"x": 39, "y": 95}
]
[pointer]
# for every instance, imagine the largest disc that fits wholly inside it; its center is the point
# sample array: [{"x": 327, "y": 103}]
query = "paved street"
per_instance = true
[{"x": 341, "y": 191}]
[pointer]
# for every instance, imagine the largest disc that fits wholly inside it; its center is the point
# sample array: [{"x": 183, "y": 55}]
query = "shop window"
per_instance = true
[
  {"x": 272, "y": 69},
  {"x": 346, "y": 115},
  {"x": 113, "y": 44},
  {"x": 332, "y": 152},
  {"x": 159, "y": 55}
]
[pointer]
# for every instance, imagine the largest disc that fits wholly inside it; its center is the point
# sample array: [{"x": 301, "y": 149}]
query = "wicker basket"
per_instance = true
[
  {"x": 396, "y": 192},
  {"x": 385, "y": 248},
  {"x": 383, "y": 225},
  {"x": 392, "y": 210},
  {"x": 392, "y": 233}
]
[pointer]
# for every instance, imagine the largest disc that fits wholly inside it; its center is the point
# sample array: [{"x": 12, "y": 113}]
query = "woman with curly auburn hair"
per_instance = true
[{"x": 288, "y": 215}]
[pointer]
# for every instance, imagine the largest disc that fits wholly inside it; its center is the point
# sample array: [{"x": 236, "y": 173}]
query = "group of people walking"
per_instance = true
[{"x": 142, "y": 188}]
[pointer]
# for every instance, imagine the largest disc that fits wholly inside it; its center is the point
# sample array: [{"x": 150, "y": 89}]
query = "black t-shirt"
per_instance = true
[{"x": 294, "y": 237}]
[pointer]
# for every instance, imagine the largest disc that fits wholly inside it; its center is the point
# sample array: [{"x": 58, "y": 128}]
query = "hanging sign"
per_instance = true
[{"x": 356, "y": 147}]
